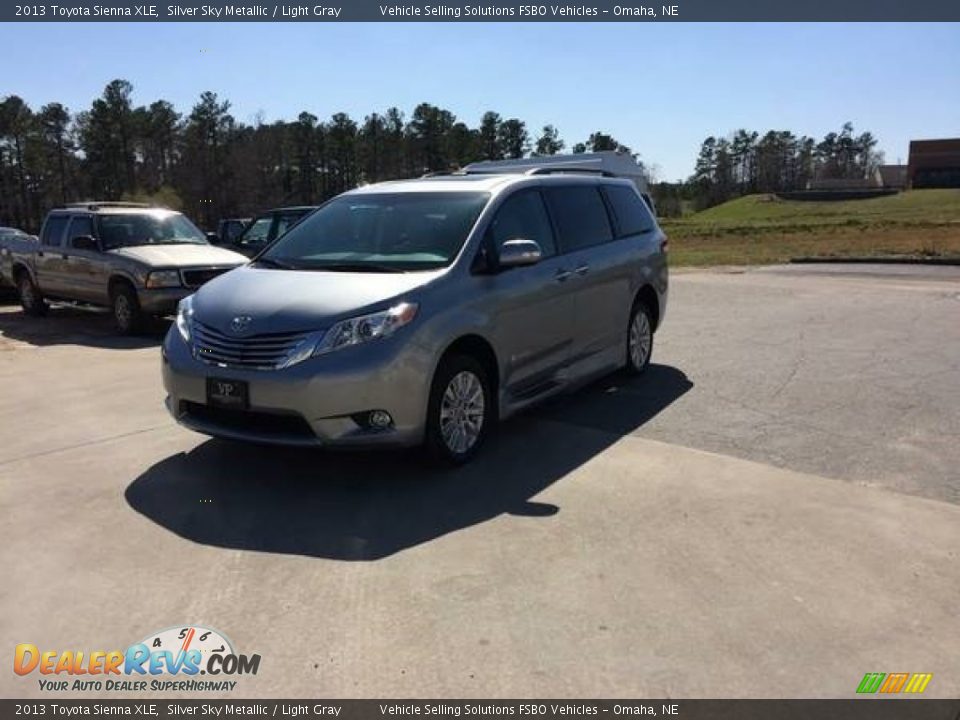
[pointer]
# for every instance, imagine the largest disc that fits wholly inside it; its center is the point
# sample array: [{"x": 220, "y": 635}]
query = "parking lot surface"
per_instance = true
[{"x": 773, "y": 510}]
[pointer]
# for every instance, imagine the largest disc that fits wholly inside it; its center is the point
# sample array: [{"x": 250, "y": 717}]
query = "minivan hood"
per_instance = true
[
  {"x": 298, "y": 300},
  {"x": 180, "y": 255}
]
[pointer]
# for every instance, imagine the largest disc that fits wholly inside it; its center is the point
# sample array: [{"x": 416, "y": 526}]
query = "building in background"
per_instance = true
[
  {"x": 934, "y": 164},
  {"x": 871, "y": 181},
  {"x": 893, "y": 176}
]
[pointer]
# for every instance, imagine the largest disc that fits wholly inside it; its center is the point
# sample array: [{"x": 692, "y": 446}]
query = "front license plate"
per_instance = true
[{"x": 231, "y": 394}]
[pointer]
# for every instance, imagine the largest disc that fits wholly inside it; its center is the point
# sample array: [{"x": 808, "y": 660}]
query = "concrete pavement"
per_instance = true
[{"x": 772, "y": 512}]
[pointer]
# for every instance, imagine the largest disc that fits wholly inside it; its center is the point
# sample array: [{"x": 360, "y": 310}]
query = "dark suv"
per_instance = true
[{"x": 266, "y": 228}]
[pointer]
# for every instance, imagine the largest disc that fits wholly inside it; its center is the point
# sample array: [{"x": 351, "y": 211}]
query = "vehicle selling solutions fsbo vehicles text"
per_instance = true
[{"x": 445, "y": 11}]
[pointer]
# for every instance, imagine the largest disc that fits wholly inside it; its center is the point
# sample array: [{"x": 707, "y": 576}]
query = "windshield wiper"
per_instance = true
[{"x": 356, "y": 267}]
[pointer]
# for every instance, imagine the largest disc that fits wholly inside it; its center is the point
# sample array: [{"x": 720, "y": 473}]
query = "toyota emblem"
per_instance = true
[{"x": 240, "y": 324}]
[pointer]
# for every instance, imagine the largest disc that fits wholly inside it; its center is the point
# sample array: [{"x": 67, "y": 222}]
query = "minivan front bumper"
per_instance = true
[{"x": 322, "y": 401}]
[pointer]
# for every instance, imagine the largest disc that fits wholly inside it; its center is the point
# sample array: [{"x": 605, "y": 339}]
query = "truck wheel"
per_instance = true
[
  {"x": 126, "y": 310},
  {"x": 460, "y": 412},
  {"x": 639, "y": 339},
  {"x": 30, "y": 297}
]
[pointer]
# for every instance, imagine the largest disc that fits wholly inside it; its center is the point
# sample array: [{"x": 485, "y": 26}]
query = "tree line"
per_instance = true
[
  {"x": 777, "y": 161},
  {"x": 210, "y": 165}
]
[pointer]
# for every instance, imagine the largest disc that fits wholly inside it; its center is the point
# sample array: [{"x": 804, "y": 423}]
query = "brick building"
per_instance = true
[{"x": 934, "y": 164}]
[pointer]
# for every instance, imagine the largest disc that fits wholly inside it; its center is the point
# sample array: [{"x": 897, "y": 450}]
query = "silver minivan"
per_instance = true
[{"x": 421, "y": 312}]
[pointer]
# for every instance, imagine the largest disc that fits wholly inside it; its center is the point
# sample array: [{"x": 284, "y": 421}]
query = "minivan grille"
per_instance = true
[
  {"x": 250, "y": 421},
  {"x": 263, "y": 352},
  {"x": 196, "y": 278}
]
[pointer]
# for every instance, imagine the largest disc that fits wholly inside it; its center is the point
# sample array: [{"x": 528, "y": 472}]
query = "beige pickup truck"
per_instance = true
[{"x": 135, "y": 259}]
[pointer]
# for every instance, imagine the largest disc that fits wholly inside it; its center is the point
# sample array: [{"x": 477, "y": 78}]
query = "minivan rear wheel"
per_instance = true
[
  {"x": 460, "y": 410},
  {"x": 639, "y": 338}
]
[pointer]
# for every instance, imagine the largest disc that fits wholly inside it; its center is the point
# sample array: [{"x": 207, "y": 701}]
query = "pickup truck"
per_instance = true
[
  {"x": 138, "y": 260},
  {"x": 13, "y": 240}
]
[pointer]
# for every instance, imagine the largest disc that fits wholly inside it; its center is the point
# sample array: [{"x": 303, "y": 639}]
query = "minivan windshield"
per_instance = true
[
  {"x": 379, "y": 232},
  {"x": 128, "y": 230}
]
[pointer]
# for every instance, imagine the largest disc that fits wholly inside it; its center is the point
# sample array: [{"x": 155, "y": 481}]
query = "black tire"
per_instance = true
[
  {"x": 438, "y": 445},
  {"x": 31, "y": 299},
  {"x": 127, "y": 315},
  {"x": 641, "y": 322}
]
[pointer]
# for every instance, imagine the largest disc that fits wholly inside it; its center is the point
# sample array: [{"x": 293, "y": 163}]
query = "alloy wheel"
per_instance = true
[
  {"x": 641, "y": 339},
  {"x": 462, "y": 412}
]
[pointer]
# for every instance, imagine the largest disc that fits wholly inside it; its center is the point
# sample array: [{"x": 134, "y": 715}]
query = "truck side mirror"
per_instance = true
[{"x": 213, "y": 238}]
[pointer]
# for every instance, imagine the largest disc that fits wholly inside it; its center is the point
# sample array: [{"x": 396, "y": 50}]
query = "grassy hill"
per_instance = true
[{"x": 765, "y": 229}]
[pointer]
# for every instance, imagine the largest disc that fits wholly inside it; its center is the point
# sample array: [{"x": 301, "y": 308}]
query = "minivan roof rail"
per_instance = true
[
  {"x": 97, "y": 204},
  {"x": 576, "y": 170}
]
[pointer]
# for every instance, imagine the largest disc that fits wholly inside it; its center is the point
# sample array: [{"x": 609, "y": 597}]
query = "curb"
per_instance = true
[{"x": 881, "y": 260}]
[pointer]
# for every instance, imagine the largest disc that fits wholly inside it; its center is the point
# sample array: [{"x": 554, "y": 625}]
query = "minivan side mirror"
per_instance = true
[
  {"x": 519, "y": 253},
  {"x": 213, "y": 238},
  {"x": 85, "y": 242}
]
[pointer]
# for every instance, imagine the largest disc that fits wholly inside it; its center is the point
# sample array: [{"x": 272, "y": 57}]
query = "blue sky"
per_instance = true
[{"x": 659, "y": 88}]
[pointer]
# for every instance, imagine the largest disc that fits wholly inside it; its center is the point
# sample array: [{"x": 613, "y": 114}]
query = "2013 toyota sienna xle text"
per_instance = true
[{"x": 422, "y": 311}]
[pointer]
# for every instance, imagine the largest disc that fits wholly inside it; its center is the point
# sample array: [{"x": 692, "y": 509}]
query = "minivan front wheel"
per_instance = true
[
  {"x": 639, "y": 339},
  {"x": 460, "y": 411}
]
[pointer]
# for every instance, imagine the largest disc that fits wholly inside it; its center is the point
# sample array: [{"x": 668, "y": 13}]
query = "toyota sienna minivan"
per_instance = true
[{"x": 421, "y": 312}]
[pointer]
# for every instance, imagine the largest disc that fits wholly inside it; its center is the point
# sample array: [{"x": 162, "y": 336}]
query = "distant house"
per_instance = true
[
  {"x": 934, "y": 164},
  {"x": 893, "y": 176},
  {"x": 870, "y": 182}
]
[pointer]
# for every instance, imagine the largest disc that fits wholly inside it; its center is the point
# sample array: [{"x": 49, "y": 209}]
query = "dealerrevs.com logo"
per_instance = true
[{"x": 168, "y": 660}]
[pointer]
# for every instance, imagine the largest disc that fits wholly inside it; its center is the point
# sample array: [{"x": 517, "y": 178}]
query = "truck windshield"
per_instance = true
[
  {"x": 386, "y": 232},
  {"x": 123, "y": 230}
]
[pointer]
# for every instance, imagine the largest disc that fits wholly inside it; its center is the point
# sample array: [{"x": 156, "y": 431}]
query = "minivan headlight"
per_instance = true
[
  {"x": 361, "y": 329},
  {"x": 163, "y": 279},
  {"x": 185, "y": 317}
]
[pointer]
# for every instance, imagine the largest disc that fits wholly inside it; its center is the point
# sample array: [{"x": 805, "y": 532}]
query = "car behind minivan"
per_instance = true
[{"x": 422, "y": 312}]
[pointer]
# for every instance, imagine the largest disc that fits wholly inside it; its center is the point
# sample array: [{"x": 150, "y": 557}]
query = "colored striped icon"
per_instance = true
[{"x": 894, "y": 683}]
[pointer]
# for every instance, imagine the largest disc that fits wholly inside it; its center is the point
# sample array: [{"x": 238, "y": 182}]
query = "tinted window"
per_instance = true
[
  {"x": 257, "y": 233},
  {"x": 523, "y": 217},
  {"x": 80, "y": 225},
  {"x": 233, "y": 228},
  {"x": 381, "y": 232},
  {"x": 287, "y": 221},
  {"x": 581, "y": 217},
  {"x": 53, "y": 229},
  {"x": 630, "y": 211}
]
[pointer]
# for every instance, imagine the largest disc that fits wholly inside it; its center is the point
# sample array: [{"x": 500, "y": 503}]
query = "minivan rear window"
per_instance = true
[
  {"x": 380, "y": 232},
  {"x": 581, "y": 216},
  {"x": 631, "y": 212}
]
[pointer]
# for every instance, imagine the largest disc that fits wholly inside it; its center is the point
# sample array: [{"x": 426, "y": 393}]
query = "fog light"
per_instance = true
[{"x": 379, "y": 419}]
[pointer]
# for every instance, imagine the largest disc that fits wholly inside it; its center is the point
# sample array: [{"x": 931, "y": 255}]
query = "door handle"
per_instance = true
[
  {"x": 39, "y": 253},
  {"x": 582, "y": 270},
  {"x": 562, "y": 275},
  {"x": 64, "y": 256}
]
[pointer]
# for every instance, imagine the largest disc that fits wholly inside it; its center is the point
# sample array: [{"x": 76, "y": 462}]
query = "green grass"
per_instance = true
[
  {"x": 916, "y": 207},
  {"x": 764, "y": 229}
]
